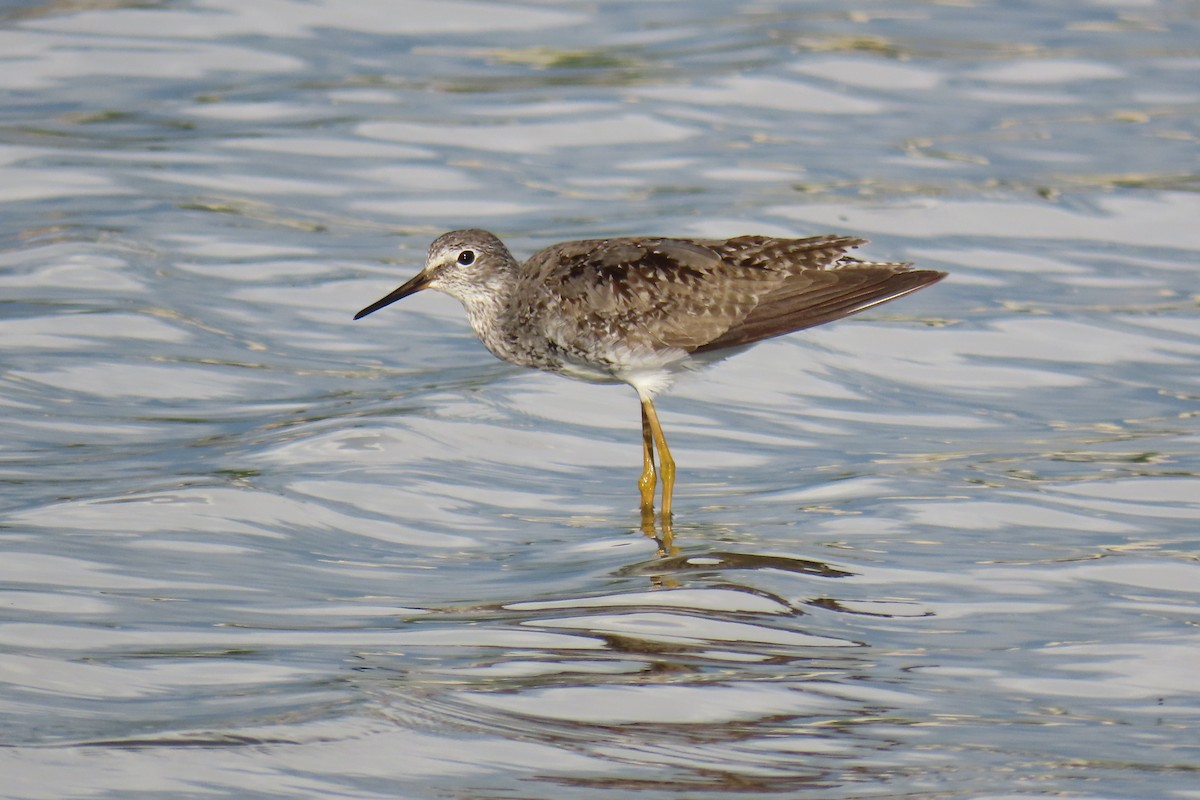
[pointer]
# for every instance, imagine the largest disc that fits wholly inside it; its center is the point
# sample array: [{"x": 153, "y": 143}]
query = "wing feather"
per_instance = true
[
  {"x": 814, "y": 297},
  {"x": 699, "y": 295}
]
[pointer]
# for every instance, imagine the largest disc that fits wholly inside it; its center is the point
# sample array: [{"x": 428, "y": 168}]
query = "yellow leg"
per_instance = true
[
  {"x": 666, "y": 463},
  {"x": 647, "y": 482}
]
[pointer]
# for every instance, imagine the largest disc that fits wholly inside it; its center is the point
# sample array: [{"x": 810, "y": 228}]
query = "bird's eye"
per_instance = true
[{"x": 466, "y": 257}]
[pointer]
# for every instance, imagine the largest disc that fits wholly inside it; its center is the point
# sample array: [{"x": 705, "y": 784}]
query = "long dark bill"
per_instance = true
[{"x": 414, "y": 285}]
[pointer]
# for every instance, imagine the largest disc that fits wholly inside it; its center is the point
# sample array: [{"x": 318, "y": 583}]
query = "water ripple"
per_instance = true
[{"x": 251, "y": 548}]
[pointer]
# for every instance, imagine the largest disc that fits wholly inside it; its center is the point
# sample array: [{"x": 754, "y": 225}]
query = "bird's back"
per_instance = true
[{"x": 651, "y": 295}]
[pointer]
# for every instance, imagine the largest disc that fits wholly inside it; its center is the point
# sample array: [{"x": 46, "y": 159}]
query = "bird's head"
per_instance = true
[{"x": 464, "y": 264}]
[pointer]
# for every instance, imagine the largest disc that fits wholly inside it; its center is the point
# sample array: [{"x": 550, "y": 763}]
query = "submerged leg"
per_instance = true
[
  {"x": 649, "y": 478},
  {"x": 666, "y": 463}
]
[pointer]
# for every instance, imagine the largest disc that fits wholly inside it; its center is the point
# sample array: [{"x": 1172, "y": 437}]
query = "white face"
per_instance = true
[
  {"x": 448, "y": 259},
  {"x": 467, "y": 265}
]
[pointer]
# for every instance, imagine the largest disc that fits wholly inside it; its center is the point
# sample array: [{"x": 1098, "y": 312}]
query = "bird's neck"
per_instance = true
[{"x": 487, "y": 304}]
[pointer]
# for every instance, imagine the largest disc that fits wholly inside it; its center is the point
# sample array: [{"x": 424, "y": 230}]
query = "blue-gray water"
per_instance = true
[{"x": 252, "y": 549}]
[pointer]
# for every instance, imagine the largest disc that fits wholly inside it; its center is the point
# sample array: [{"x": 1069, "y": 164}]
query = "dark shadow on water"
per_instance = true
[{"x": 673, "y": 561}]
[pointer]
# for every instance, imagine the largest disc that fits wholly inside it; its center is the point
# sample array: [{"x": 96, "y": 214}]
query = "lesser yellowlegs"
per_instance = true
[{"x": 643, "y": 310}]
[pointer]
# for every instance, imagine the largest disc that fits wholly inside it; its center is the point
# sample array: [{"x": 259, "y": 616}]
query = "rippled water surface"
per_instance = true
[{"x": 250, "y": 548}]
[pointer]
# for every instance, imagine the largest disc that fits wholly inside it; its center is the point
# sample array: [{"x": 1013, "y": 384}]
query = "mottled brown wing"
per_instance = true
[
  {"x": 788, "y": 255},
  {"x": 643, "y": 292},
  {"x": 694, "y": 294},
  {"x": 815, "y": 296}
]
